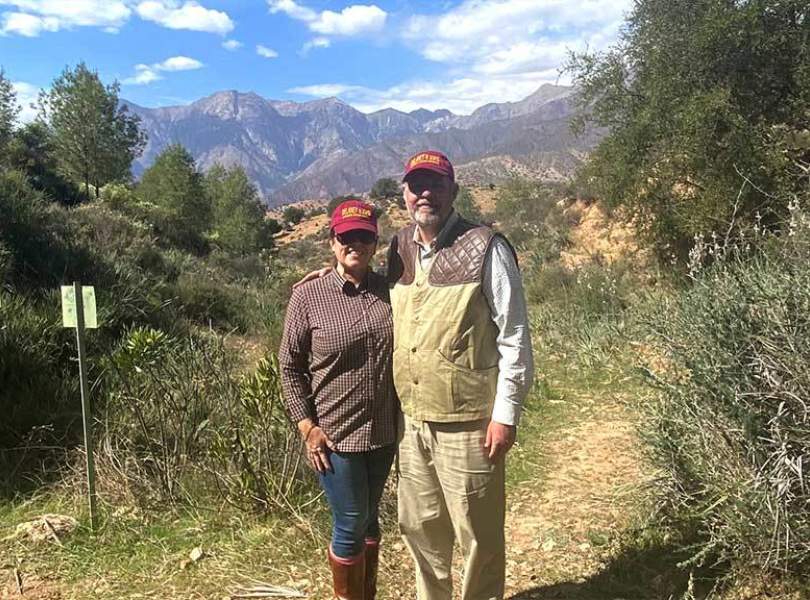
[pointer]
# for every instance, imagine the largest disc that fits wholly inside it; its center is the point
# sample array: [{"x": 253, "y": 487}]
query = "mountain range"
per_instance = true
[{"x": 319, "y": 149}]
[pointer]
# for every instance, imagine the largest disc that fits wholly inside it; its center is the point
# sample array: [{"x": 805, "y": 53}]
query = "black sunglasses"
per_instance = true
[{"x": 355, "y": 236}]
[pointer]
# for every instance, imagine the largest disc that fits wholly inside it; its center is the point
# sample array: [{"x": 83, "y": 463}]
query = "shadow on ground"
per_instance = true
[{"x": 647, "y": 574}]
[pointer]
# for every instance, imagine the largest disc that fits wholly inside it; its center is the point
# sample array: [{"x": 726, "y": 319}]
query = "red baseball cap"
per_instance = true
[
  {"x": 353, "y": 214},
  {"x": 430, "y": 160}
]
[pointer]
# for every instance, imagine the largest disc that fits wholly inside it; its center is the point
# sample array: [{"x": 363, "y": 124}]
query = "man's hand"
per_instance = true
[
  {"x": 312, "y": 275},
  {"x": 500, "y": 438}
]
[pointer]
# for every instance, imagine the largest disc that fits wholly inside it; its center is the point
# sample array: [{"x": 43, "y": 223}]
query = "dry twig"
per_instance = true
[{"x": 265, "y": 590}]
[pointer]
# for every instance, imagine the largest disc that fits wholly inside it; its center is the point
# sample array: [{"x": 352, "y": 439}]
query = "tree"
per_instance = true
[
  {"x": 8, "y": 109},
  {"x": 175, "y": 188},
  {"x": 96, "y": 139},
  {"x": 386, "y": 189},
  {"x": 31, "y": 151},
  {"x": 292, "y": 214},
  {"x": 238, "y": 216},
  {"x": 465, "y": 206},
  {"x": 692, "y": 97}
]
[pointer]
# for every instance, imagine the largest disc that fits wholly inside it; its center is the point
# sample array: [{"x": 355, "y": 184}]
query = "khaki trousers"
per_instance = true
[{"x": 448, "y": 489}]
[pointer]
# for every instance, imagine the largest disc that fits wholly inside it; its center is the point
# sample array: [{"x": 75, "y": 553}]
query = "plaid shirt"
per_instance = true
[{"x": 336, "y": 361}]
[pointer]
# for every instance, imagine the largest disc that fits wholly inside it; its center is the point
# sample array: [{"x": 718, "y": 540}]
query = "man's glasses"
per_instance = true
[{"x": 355, "y": 236}]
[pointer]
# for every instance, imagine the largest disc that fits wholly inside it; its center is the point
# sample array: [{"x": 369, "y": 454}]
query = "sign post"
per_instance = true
[{"x": 79, "y": 311}]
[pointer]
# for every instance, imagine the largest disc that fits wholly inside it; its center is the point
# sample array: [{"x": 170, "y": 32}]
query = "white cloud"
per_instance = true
[
  {"x": 33, "y": 17},
  {"x": 266, "y": 52},
  {"x": 191, "y": 15},
  {"x": 179, "y": 63},
  {"x": 232, "y": 45},
  {"x": 292, "y": 9},
  {"x": 145, "y": 74},
  {"x": 324, "y": 90},
  {"x": 318, "y": 42},
  {"x": 27, "y": 25},
  {"x": 461, "y": 95},
  {"x": 26, "y": 96},
  {"x": 352, "y": 20},
  {"x": 515, "y": 36}
]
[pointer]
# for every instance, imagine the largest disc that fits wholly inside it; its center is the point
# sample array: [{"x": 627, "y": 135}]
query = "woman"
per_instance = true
[{"x": 338, "y": 387}]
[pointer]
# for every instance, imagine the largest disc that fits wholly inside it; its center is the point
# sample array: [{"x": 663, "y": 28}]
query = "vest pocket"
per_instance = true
[{"x": 473, "y": 390}]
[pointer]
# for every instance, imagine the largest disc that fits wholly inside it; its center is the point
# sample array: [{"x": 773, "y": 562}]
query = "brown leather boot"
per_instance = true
[
  {"x": 372, "y": 562},
  {"x": 348, "y": 576}
]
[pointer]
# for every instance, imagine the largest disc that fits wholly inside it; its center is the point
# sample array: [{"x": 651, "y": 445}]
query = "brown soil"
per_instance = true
[
  {"x": 32, "y": 587},
  {"x": 598, "y": 238}
]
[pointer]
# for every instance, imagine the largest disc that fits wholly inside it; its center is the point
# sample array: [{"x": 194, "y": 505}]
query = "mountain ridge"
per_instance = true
[{"x": 325, "y": 147}]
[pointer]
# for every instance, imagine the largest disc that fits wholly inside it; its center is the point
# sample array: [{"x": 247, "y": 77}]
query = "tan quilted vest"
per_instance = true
[{"x": 445, "y": 351}]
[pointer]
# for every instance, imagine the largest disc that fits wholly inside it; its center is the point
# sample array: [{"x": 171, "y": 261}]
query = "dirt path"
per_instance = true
[{"x": 561, "y": 521}]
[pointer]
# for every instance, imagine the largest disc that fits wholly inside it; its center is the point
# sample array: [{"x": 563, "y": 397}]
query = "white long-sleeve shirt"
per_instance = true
[{"x": 503, "y": 288}]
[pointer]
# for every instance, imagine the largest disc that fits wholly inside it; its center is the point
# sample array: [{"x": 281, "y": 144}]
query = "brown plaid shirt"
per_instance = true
[{"x": 336, "y": 361}]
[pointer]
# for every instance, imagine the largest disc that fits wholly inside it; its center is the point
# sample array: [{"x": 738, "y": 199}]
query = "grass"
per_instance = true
[{"x": 134, "y": 555}]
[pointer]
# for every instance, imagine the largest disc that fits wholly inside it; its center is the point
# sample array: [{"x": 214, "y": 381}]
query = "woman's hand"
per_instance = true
[
  {"x": 312, "y": 275},
  {"x": 318, "y": 447}
]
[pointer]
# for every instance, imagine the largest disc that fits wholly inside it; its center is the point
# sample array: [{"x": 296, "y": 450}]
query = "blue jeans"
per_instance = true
[{"x": 353, "y": 488}]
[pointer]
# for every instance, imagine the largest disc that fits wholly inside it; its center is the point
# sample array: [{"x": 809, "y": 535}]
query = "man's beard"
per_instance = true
[{"x": 425, "y": 219}]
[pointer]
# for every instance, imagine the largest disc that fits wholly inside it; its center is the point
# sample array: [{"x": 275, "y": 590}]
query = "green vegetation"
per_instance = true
[
  {"x": 697, "y": 141},
  {"x": 293, "y": 214},
  {"x": 8, "y": 110},
  {"x": 386, "y": 189},
  {"x": 465, "y": 206},
  {"x": 238, "y": 215},
  {"x": 95, "y": 138},
  {"x": 174, "y": 187}
]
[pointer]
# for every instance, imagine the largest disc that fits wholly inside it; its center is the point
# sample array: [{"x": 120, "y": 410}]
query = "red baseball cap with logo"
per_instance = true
[
  {"x": 430, "y": 160},
  {"x": 353, "y": 214}
]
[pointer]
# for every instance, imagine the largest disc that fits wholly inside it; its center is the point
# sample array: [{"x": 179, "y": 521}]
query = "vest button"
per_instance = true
[
  {"x": 413, "y": 349},
  {"x": 416, "y": 382}
]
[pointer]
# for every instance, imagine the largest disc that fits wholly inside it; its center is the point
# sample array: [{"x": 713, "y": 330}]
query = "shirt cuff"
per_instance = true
[{"x": 506, "y": 412}]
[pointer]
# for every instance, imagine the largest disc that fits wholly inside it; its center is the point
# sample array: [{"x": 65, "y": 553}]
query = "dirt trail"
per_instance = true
[{"x": 560, "y": 521}]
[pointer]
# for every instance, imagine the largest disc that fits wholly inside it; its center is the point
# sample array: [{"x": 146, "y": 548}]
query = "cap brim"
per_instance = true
[
  {"x": 427, "y": 167},
  {"x": 351, "y": 226}
]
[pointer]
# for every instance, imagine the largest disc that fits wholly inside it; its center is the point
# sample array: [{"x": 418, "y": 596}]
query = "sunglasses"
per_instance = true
[{"x": 356, "y": 236}]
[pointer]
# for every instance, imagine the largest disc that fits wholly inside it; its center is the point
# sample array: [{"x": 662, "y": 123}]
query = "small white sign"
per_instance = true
[{"x": 69, "y": 307}]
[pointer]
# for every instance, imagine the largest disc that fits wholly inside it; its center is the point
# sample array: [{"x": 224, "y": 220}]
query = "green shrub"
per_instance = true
[
  {"x": 292, "y": 214},
  {"x": 730, "y": 427},
  {"x": 182, "y": 423},
  {"x": 38, "y": 386},
  {"x": 466, "y": 206}
]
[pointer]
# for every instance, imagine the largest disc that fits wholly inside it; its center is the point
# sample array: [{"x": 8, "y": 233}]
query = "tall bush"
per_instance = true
[{"x": 730, "y": 426}]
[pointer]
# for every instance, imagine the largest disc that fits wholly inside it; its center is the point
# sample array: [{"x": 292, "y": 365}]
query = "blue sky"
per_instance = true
[{"x": 456, "y": 54}]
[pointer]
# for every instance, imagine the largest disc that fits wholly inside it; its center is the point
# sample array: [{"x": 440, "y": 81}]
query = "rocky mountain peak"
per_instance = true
[{"x": 231, "y": 104}]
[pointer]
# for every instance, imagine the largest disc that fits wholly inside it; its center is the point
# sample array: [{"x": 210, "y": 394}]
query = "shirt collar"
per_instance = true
[
  {"x": 347, "y": 286},
  {"x": 439, "y": 240}
]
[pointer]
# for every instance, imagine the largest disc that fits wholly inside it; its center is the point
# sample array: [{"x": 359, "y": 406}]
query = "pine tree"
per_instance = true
[
  {"x": 238, "y": 216},
  {"x": 175, "y": 188},
  {"x": 8, "y": 109},
  {"x": 96, "y": 139}
]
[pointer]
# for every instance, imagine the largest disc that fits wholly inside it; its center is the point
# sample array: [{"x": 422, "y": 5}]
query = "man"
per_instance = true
[{"x": 462, "y": 368}]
